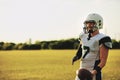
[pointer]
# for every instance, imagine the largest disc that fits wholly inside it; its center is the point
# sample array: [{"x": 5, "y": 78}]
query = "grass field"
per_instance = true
[{"x": 49, "y": 65}]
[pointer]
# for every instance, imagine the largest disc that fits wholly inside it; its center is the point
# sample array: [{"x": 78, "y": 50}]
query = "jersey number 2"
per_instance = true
[{"x": 86, "y": 49}]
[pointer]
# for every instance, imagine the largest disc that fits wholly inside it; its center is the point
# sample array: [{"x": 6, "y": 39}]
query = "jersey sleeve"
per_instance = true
[
  {"x": 80, "y": 36},
  {"x": 106, "y": 41}
]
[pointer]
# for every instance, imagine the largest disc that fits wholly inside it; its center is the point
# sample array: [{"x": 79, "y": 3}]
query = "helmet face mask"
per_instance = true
[
  {"x": 94, "y": 18},
  {"x": 90, "y": 26},
  {"x": 90, "y": 21}
]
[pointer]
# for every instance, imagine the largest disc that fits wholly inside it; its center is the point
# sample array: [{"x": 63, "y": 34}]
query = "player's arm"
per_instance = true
[
  {"x": 103, "y": 59},
  {"x": 78, "y": 54},
  {"x": 103, "y": 56},
  {"x": 105, "y": 45},
  {"x": 79, "y": 50}
]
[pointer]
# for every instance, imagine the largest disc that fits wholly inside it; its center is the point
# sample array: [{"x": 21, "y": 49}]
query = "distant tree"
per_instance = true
[
  {"x": 115, "y": 44},
  {"x": 34, "y": 47},
  {"x": 75, "y": 46},
  {"x": 22, "y": 46},
  {"x": 44, "y": 45},
  {"x": 53, "y": 45},
  {"x": 25, "y": 47},
  {"x": 1, "y": 45},
  {"x": 8, "y": 46},
  {"x": 18, "y": 46}
]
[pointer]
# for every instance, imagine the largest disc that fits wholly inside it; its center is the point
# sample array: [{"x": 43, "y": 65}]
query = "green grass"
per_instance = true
[
  {"x": 112, "y": 69},
  {"x": 49, "y": 65}
]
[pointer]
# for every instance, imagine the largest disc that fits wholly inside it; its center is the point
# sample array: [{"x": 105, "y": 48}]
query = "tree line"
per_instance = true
[{"x": 54, "y": 44}]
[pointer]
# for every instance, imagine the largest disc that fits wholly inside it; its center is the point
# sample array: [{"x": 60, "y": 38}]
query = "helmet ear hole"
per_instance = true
[{"x": 99, "y": 22}]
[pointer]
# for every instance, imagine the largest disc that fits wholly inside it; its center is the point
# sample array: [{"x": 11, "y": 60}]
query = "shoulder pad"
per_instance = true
[
  {"x": 106, "y": 41},
  {"x": 81, "y": 35}
]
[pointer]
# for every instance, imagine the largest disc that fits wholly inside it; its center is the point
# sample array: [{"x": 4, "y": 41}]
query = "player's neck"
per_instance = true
[{"x": 94, "y": 33}]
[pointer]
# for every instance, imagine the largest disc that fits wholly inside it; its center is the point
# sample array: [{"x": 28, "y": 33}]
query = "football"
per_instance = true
[{"x": 84, "y": 74}]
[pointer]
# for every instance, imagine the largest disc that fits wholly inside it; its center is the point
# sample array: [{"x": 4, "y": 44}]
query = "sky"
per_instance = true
[{"x": 38, "y": 20}]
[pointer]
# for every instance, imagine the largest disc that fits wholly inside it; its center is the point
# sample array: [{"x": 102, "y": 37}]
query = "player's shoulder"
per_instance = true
[
  {"x": 101, "y": 35},
  {"x": 104, "y": 37},
  {"x": 82, "y": 34},
  {"x": 105, "y": 40}
]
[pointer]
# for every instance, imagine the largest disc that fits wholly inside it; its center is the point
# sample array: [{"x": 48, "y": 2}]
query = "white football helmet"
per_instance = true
[{"x": 95, "y": 18}]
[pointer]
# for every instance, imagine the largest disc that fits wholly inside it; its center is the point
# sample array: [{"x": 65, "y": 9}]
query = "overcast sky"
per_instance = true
[{"x": 54, "y": 19}]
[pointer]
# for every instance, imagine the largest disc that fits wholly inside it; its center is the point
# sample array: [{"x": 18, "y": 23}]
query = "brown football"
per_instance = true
[{"x": 84, "y": 74}]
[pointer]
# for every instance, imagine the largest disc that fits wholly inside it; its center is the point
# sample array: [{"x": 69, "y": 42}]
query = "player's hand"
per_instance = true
[
  {"x": 75, "y": 58},
  {"x": 94, "y": 72}
]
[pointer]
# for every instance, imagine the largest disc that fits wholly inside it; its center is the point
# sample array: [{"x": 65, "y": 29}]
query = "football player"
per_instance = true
[{"x": 94, "y": 46}]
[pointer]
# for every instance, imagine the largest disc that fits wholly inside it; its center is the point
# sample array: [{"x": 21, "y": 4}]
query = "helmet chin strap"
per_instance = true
[
  {"x": 89, "y": 35},
  {"x": 91, "y": 31}
]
